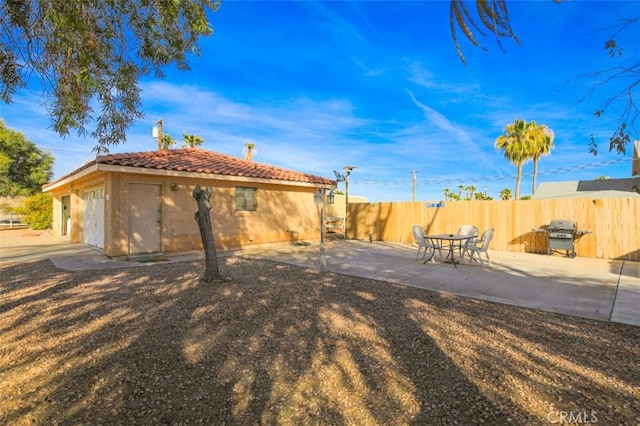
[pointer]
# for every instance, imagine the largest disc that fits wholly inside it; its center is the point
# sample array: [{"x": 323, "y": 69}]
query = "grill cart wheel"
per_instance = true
[{"x": 572, "y": 254}]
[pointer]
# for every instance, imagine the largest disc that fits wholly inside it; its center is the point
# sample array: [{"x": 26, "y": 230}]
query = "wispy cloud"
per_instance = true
[
  {"x": 285, "y": 131},
  {"x": 318, "y": 85},
  {"x": 469, "y": 148},
  {"x": 426, "y": 78},
  {"x": 369, "y": 72}
]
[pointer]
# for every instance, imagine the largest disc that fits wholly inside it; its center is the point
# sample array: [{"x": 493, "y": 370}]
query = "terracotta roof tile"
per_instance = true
[{"x": 202, "y": 161}]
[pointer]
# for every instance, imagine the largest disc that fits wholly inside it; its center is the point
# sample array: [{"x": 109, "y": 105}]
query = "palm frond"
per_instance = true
[{"x": 493, "y": 16}]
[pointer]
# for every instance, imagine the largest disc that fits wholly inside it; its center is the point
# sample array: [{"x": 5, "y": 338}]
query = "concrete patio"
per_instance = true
[
  {"x": 601, "y": 289},
  {"x": 607, "y": 290}
]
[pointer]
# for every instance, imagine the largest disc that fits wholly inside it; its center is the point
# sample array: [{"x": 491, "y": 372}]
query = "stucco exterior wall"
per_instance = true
[{"x": 280, "y": 209}]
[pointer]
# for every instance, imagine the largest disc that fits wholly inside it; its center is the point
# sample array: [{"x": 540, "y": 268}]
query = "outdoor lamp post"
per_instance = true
[
  {"x": 346, "y": 199},
  {"x": 318, "y": 199}
]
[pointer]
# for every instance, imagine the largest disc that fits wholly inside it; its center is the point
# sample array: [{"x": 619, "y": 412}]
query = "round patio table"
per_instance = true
[{"x": 454, "y": 241}]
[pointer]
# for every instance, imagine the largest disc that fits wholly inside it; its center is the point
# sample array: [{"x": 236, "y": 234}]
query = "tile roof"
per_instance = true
[{"x": 202, "y": 161}]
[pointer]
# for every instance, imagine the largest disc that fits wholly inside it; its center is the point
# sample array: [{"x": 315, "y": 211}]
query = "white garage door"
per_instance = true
[{"x": 93, "y": 208}]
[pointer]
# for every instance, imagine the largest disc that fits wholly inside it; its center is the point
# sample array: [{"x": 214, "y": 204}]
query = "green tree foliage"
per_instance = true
[
  {"x": 469, "y": 194},
  {"x": 191, "y": 141},
  {"x": 492, "y": 15},
  {"x": 513, "y": 143},
  {"x": 23, "y": 167},
  {"x": 249, "y": 150},
  {"x": 450, "y": 195},
  {"x": 167, "y": 141},
  {"x": 505, "y": 194},
  {"x": 94, "y": 52},
  {"x": 522, "y": 142},
  {"x": 482, "y": 196},
  {"x": 626, "y": 69},
  {"x": 37, "y": 211},
  {"x": 540, "y": 139}
]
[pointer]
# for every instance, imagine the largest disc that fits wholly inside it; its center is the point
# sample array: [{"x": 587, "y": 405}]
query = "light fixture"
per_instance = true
[
  {"x": 348, "y": 170},
  {"x": 174, "y": 186},
  {"x": 317, "y": 197},
  {"x": 331, "y": 198}
]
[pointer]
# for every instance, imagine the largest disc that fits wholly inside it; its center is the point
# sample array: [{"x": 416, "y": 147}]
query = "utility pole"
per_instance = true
[{"x": 414, "y": 183}]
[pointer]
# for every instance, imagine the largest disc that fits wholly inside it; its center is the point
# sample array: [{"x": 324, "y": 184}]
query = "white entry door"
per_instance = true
[
  {"x": 145, "y": 218},
  {"x": 93, "y": 217}
]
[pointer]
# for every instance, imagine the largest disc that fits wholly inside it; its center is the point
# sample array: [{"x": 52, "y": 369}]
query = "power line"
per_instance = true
[{"x": 441, "y": 181}]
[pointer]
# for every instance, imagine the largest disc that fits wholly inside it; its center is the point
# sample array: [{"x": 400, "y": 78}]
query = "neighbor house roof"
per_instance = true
[
  {"x": 191, "y": 160},
  {"x": 607, "y": 188}
]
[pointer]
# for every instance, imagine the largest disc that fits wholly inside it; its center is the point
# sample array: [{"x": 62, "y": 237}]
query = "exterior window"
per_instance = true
[
  {"x": 246, "y": 198},
  {"x": 96, "y": 194}
]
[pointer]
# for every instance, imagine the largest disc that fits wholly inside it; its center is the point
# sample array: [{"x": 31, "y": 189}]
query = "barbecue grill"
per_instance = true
[{"x": 561, "y": 236}]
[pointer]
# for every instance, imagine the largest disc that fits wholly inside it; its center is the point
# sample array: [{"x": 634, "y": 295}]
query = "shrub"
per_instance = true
[{"x": 37, "y": 211}]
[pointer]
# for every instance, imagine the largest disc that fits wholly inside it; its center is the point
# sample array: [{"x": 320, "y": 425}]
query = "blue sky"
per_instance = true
[{"x": 317, "y": 86}]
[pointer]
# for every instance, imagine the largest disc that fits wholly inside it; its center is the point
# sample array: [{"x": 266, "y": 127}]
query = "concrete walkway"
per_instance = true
[{"x": 606, "y": 290}]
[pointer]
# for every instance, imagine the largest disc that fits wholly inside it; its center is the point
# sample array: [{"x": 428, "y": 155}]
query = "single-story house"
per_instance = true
[
  {"x": 606, "y": 188},
  {"x": 141, "y": 202}
]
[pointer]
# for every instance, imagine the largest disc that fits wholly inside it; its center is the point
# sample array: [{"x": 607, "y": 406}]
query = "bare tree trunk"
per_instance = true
[
  {"x": 203, "y": 218},
  {"x": 518, "y": 179},
  {"x": 535, "y": 176}
]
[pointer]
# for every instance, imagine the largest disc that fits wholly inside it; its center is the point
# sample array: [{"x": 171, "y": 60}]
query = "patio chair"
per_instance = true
[
  {"x": 469, "y": 230},
  {"x": 424, "y": 242},
  {"x": 481, "y": 246},
  {"x": 472, "y": 230}
]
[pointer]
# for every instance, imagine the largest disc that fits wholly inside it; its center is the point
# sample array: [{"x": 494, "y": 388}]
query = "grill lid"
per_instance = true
[{"x": 562, "y": 225}]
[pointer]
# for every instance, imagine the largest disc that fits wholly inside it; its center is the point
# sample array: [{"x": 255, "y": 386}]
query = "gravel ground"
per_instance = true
[{"x": 279, "y": 344}]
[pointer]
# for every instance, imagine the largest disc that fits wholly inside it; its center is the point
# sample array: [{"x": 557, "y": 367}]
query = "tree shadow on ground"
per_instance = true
[{"x": 281, "y": 344}]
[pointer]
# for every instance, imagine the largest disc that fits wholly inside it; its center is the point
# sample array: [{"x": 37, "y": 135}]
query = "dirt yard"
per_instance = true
[{"x": 278, "y": 344}]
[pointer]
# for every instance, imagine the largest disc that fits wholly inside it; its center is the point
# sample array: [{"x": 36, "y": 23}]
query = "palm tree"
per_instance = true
[
  {"x": 470, "y": 191},
  {"x": 450, "y": 195},
  {"x": 540, "y": 140},
  {"x": 515, "y": 147},
  {"x": 493, "y": 16},
  {"x": 505, "y": 194},
  {"x": 167, "y": 141},
  {"x": 249, "y": 150},
  {"x": 191, "y": 141}
]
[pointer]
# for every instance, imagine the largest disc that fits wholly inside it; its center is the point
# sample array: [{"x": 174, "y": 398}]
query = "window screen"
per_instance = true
[{"x": 246, "y": 198}]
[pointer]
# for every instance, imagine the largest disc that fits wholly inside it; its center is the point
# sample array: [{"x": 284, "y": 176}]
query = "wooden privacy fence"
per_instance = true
[{"x": 613, "y": 222}]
